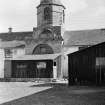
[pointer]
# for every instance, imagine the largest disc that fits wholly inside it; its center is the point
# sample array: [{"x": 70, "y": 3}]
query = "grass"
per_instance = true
[{"x": 64, "y": 95}]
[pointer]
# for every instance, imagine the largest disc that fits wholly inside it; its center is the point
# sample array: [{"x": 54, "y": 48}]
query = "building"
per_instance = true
[
  {"x": 45, "y": 39},
  {"x": 31, "y": 68},
  {"x": 87, "y": 66},
  {"x": 50, "y": 38},
  {"x": 9, "y": 50},
  {"x": 78, "y": 40}
]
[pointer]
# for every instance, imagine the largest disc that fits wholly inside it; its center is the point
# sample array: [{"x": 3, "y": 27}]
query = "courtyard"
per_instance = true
[{"x": 31, "y": 93}]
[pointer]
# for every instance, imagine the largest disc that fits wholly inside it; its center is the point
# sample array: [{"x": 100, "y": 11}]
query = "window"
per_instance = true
[
  {"x": 43, "y": 50},
  {"x": 41, "y": 65},
  {"x": 47, "y": 13},
  {"x": 100, "y": 61},
  {"x": 8, "y": 53}
]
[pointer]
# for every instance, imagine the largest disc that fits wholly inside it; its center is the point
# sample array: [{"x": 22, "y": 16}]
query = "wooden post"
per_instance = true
[{"x": 100, "y": 75}]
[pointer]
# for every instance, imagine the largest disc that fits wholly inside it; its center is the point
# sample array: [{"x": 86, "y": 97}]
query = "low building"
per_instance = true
[
  {"x": 9, "y": 50},
  {"x": 33, "y": 67},
  {"x": 87, "y": 66}
]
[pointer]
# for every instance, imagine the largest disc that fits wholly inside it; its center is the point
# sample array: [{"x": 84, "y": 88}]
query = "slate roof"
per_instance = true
[
  {"x": 84, "y": 37},
  {"x": 12, "y": 44},
  {"x": 15, "y": 36},
  {"x": 71, "y": 38}
]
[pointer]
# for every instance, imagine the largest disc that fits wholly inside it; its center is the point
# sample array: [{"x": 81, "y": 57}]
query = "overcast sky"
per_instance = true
[{"x": 80, "y": 14}]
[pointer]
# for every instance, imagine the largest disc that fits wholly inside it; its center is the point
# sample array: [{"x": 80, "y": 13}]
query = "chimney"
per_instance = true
[{"x": 9, "y": 30}]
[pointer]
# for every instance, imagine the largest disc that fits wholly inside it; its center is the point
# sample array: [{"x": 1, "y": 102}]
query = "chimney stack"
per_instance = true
[{"x": 10, "y": 30}]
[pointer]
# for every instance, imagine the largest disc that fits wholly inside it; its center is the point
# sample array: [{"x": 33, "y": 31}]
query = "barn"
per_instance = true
[{"x": 87, "y": 66}]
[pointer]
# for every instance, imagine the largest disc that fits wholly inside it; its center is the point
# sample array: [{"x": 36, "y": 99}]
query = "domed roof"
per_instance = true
[{"x": 57, "y": 2}]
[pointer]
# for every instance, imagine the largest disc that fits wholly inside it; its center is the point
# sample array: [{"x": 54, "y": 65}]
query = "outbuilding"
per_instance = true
[
  {"x": 33, "y": 68},
  {"x": 87, "y": 66}
]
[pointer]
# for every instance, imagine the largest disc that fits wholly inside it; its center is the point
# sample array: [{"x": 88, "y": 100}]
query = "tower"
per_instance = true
[
  {"x": 50, "y": 12},
  {"x": 47, "y": 36},
  {"x": 50, "y": 19}
]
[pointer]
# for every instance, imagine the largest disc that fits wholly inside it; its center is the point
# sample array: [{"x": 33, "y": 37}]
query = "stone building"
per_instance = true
[
  {"x": 47, "y": 36},
  {"x": 50, "y": 39},
  {"x": 46, "y": 40}
]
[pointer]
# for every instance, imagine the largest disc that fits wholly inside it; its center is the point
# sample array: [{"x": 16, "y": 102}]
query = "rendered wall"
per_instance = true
[
  {"x": 67, "y": 50},
  {"x": 7, "y": 69},
  {"x": 1, "y": 63}
]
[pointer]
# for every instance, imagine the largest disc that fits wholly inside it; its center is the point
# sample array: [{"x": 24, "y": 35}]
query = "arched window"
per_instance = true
[
  {"x": 42, "y": 49},
  {"x": 47, "y": 13},
  {"x": 46, "y": 34}
]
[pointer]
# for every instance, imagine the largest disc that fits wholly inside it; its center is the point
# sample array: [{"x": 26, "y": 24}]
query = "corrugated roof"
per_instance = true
[
  {"x": 84, "y": 37},
  {"x": 37, "y": 57},
  {"x": 12, "y": 44}
]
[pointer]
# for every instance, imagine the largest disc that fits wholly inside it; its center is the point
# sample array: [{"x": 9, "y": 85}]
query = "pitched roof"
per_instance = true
[
  {"x": 99, "y": 45},
  {"x": 37, "y": 57},
  {"x": 84, "y": 37},
  {"x": 15, "y": 36},
  {"x": 71, "y": 38},
  {"x": 12, "y": 44}
]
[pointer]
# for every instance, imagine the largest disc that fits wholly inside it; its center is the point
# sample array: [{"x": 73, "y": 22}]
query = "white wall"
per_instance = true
[
  {"x": 1, "y": 63},
  {"x": 65, "y": 51},
  {"x": 7, "y": 69},
  {"x": 18, "y": 52},
  {"x": 68, "y": 50}
]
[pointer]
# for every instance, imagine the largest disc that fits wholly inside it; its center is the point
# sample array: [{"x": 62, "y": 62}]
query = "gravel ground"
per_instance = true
[{"x": 64, "y": 95}]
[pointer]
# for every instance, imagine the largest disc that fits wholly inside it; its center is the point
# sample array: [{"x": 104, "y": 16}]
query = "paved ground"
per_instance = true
[
  {"x": 58, "y": 95},
  {"x": 13, "y": 90}
]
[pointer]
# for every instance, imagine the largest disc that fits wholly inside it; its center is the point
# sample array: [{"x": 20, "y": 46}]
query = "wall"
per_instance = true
[
  {"x": 7, "y": 69},
  {"x": 65, "y": 51},
  {"x": 59, "y": 69},
  {"x": 55, "y": 45},
  {"x": 1, "y": 63},
  {"x": 84, "y": 67},
  {"x": 57, "y": 15}
]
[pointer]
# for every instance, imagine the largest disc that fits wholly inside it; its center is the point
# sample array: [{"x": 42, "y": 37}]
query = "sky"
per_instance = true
[{"x": 21, "y": 15}]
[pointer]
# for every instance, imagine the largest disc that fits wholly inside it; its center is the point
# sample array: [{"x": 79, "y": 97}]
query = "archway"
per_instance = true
[{"x": 43, "y": 49}]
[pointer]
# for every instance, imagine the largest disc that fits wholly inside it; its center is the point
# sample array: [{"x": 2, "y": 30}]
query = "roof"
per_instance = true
[
  {"x": 12, "y": 44},
  {"x": 84, "y": 37},
  {"x": 71, "y": 38},
  {"x": 50, "y": 2},
  {"x": 15, "y": 36},
  {"x": 88, "y": 48},
  {"x": 55, "y": 2},
  {"x": 38, "y": 57}
]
